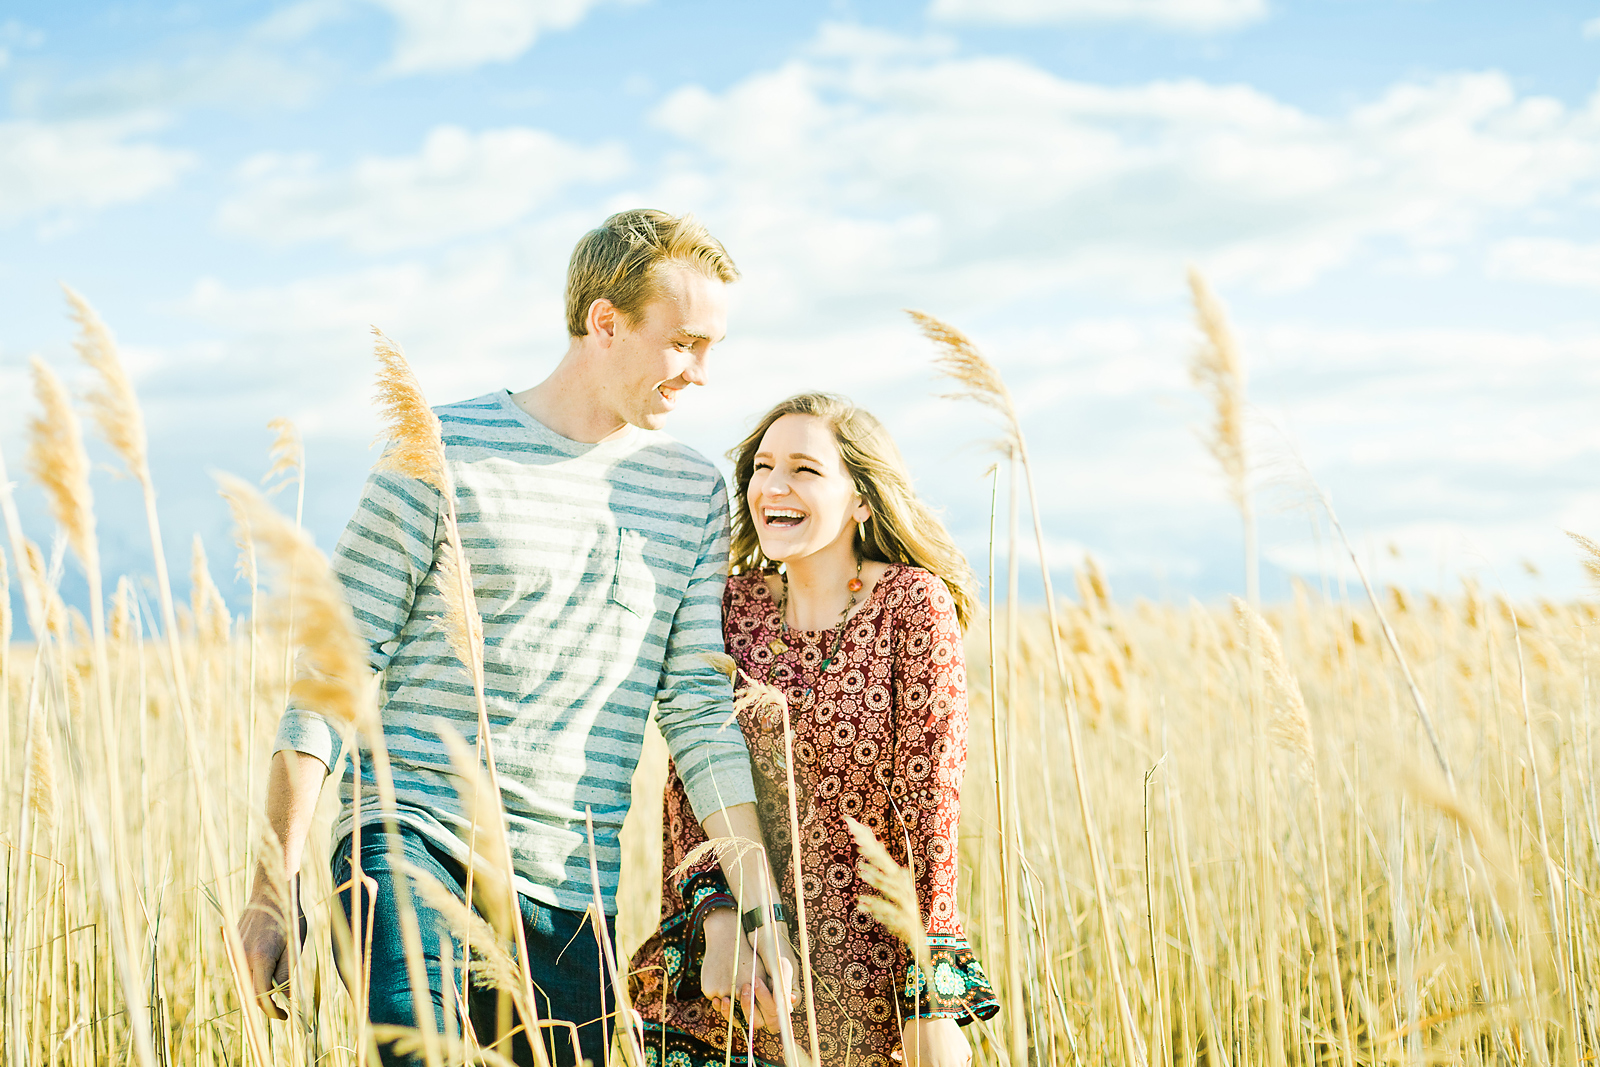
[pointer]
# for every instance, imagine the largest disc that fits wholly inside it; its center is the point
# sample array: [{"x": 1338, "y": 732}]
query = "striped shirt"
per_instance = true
[{"x": 598, "y": 570}]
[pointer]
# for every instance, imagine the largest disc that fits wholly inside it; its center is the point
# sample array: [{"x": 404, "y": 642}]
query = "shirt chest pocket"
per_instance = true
[{"x": 634, "y": 581}]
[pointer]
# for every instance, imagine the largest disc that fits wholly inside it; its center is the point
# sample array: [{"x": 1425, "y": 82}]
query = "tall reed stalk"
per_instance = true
[{"x": 961, "y": 361}]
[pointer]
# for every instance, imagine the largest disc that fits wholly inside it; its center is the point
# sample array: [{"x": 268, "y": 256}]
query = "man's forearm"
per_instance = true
[
  {"x": 294, "y": 782},
  {"x": 748, "y": 870}
]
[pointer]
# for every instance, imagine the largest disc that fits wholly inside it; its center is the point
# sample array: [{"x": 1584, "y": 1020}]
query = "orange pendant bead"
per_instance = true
[{"x": 855, "y": 585}]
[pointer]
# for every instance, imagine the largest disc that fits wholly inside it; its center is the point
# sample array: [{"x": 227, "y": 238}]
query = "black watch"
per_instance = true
[{"x": 757, "y": 917}]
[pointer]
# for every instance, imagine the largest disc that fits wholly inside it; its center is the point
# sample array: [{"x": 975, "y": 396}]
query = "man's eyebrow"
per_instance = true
[{"x": 700, "y": 336}]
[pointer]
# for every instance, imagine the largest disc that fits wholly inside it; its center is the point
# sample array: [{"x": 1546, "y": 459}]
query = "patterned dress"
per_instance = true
[{"x": 881, "y": 738}]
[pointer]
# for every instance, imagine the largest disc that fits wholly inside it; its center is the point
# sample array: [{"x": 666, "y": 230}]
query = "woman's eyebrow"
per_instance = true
[{"x": 802, "y": 455}]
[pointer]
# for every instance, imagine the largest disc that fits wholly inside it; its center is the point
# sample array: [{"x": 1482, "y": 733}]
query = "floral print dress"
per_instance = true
[{"x": 881, "y": 736}]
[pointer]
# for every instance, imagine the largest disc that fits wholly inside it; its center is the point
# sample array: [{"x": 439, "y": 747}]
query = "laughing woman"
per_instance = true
[{"x": 849, "y": 596}]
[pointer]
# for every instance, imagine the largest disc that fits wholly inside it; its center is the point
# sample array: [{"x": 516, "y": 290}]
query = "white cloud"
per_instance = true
[
  {"x": 878, "y": 172},
  {"x": 1591, "y": 28},
  {"x": 1178, "y": 14},
  {"x": 444, "y": 35},
  {"x": 55, "y": 169},
  {"x": 1547, "y": 259},
  {"x": 458, "y": 183}
]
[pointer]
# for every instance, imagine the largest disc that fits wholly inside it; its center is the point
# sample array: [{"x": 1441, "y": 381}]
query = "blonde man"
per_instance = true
[{"x": 599, "y": 549}]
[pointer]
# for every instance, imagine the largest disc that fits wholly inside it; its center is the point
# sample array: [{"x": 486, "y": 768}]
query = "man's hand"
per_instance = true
[
  {"x": 265, "y": 935},
  {"x": 771, "y": 944},
  {"x": 294, "y": 781},
  {"x": 731, "y": 968},
  {"x": 935, "y": 1043}
]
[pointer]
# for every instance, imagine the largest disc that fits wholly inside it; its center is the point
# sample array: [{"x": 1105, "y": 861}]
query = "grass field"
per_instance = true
[{"x": 1318, "y": 837}]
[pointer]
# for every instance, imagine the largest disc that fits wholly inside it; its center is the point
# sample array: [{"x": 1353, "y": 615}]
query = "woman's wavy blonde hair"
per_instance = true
[{"x": 902, "y": 528}]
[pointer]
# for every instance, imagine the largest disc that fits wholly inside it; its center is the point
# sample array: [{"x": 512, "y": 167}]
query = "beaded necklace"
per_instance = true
[{"x": 779, "y": 646}]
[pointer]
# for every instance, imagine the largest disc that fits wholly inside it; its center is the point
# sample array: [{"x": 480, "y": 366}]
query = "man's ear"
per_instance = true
[{"x": 602, "y": 320}]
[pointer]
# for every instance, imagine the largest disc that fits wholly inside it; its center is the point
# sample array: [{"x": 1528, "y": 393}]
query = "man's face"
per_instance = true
[{"x": 666, "y": 350}]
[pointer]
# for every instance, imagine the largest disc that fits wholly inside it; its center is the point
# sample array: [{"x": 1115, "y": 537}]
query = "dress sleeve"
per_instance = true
[
  {"x": 930, "y": 708},
  {"x": 688, "y": 895}
]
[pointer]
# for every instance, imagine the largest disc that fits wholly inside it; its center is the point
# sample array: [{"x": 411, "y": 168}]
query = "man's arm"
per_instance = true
[
  {"x": 294, "y": 782},
  {"x": 383, "y": 555}
]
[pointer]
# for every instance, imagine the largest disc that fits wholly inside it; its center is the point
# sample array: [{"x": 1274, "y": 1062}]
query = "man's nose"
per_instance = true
[{"x": 698, "y": 371}]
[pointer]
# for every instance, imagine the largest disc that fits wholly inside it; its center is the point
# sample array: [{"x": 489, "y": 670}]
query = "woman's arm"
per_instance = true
[{"x": 930, "y": 707}]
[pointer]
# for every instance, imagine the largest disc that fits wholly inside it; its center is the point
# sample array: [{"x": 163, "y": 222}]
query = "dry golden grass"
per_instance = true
[{"x": 1424, "y": 979}]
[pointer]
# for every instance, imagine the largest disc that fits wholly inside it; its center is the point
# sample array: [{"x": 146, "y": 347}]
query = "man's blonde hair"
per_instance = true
[{"x": 620, "y": 260}]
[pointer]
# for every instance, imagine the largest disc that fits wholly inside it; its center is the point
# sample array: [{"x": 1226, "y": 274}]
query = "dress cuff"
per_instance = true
[
  {"x": 961, "y": 991},
  {"x": 683, "y": 937}
]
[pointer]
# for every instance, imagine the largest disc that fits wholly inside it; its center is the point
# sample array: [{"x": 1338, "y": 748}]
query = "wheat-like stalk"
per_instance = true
[
  {"x": 490, "y": 856},
  {"x": 111, "y": 401},
  {"x": 725, "y": 849},
  {"x": 211, "y": 619},
  {"x": 895, "y": 906},
  {"x": 287, "y": 453},
  {"x": 1590, "y": 558},
  {"x": 1218, "y": 371},
  {"x": 57, "y": 459},
  {"x": 414, "y": 445},
  {"x": 336, "y": 675},
  {"x": 975, "y": 377},
  {"x": 463, "y": 626},
  {"x": 1289, "y": 722}
]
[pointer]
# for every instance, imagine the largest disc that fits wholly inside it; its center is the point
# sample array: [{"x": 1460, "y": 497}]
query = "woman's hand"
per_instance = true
[
  {"x": 730, "y": 968},
  {"x": 935, "y": 1043}
]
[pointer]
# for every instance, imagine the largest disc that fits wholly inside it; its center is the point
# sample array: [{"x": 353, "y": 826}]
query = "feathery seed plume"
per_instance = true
[
  {"x": 1218, "y": 371},
  {"x": 1290, "y": 723},
  {"x": 335, "y": 676},
  {"x": 1590, "y": 558},
  {"x": 56, "y": 457},
  {"x": 499, "y": 970},
  {"x": 41, "y": 784},
  {"x": 720, "y": 662},
  {"x": 5, "y": 602},
  {"x": 211, "y": 620},
  {"x": 112, "y": 402},
  {"x": 463, "y": 626},
  {"x": 246, "y": 567},
  {"x": 121, "y": 610},
  {"x": 288, "y": 454},
  {"x": 976, "y": 377},
  {"x": 723, "y": 848},
  {"x": 414, "y": 443},
  {"x": 482, "y": 807},
  {"x": 896, "y": 906},
  {"x": 32, "y": 570}
]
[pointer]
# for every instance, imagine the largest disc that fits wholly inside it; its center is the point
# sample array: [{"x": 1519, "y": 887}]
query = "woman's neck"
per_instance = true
[{"x": 819, "y": 586}]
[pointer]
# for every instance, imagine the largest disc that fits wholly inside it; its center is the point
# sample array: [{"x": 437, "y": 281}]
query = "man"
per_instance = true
[{"x": 598, "y": 548}]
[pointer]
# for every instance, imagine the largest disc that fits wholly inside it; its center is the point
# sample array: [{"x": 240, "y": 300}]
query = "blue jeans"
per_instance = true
[{"x": 564, "y": 958}]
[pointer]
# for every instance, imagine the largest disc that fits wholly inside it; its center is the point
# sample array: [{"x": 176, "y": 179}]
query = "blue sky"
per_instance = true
[{"x": 1398, "y": 199}]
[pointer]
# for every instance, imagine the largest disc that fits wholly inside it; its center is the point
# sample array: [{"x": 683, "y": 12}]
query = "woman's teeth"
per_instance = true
[{"x": 782, "y": 517}]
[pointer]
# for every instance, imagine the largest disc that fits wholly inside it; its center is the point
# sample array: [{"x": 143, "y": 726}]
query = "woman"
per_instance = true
[{"x": 861, "y": 632}]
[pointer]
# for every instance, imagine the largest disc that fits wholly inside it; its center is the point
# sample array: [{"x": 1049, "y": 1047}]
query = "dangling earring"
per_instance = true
[{"x": 861, "y": 529}]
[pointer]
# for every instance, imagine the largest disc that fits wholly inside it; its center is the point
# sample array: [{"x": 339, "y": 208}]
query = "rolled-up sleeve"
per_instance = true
[
  {"x": 382, "y": 557},
  {"x": 694, "y": 701}
]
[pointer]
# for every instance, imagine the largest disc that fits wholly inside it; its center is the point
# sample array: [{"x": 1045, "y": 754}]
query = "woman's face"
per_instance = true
[{"x": 801, "y": 496}]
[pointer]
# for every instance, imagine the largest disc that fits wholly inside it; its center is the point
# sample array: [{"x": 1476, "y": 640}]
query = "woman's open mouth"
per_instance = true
[{"x": 782, "y": 518}]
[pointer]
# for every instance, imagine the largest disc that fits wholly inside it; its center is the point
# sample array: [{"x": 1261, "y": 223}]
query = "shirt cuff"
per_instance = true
[
  {"x": 310, "y": 733},
  {"x": 718, "y": 784}
]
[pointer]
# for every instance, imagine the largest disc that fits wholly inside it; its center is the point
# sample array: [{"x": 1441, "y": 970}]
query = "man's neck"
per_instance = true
[{"x": 568, "y": 402}]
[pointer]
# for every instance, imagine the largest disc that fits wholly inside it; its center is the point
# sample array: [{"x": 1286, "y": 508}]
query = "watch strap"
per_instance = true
[{"x": 757, "y": 917}]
